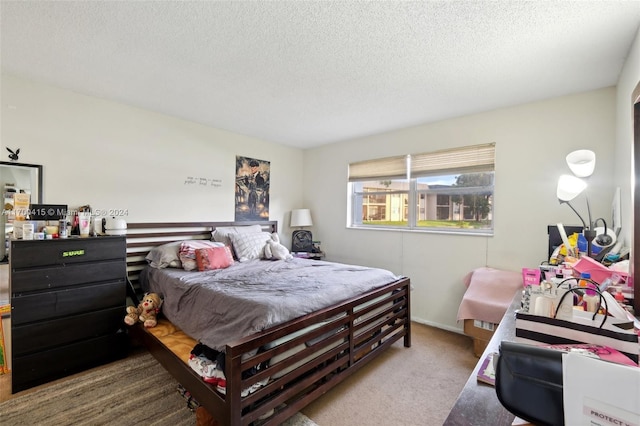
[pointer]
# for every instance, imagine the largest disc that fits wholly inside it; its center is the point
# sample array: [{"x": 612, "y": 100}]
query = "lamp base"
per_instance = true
[
  {"x": 301, "y": 241},
  {"x": 589, "y": 235}
]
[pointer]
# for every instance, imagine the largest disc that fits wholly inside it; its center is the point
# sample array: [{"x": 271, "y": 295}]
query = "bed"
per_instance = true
[{"x": 287, "y": 361}]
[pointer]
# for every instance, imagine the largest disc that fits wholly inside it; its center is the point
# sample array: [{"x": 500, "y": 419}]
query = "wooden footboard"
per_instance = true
[{"x": 271, "y": 375}]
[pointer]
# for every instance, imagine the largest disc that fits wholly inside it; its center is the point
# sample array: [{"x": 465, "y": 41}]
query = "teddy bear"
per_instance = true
[{"x": 145, "y": 312}]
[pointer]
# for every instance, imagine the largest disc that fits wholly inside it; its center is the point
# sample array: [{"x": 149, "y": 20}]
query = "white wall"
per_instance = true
[
  {"x": 531, "y": 143},
  {"x": 113, "y": 156}
]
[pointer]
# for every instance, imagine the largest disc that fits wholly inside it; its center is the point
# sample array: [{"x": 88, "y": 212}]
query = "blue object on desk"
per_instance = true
[{"x": 612, "y": 257}]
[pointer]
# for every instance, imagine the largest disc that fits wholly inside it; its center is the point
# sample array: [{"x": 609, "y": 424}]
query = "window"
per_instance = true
[{"x": 442, "y": 190}]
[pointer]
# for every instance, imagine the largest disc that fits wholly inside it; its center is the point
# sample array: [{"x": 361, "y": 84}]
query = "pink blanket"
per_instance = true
[{"x": 489, "y": 294}]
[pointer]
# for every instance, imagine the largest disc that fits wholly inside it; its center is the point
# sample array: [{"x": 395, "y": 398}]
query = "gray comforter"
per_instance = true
[{"x": 218, "y": 307}]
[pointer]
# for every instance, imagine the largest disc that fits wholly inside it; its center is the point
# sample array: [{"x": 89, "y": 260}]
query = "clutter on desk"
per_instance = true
[
  {"x": 588, "y": 277},
  {"x": 608, "y": 267},
  {"x": 575, "y": 246},
  {"x": 579, "y": 300},
  {"x": 52, "y": 221},
  {"x": 583, "y": 327}
]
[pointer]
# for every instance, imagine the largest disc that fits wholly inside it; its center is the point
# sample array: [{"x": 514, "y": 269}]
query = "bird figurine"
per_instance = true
[{"x": 13, "y": 155}]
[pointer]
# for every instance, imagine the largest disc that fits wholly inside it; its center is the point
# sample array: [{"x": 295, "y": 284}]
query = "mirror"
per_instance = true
[{"x": 16, "y": 178}]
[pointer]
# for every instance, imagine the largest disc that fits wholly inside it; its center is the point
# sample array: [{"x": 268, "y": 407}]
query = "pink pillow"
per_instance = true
[
  {"x": 213, "y": 258},
  {"x": 187, "y": 253}
]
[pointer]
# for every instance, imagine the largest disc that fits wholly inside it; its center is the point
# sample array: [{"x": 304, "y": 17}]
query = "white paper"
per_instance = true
[{"x": 600, "y": 393}]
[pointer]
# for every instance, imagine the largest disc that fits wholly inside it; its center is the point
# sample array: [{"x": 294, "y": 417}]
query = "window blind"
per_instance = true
[
  {"x": 381, "y": 168},
  {"x": 469, "y": 159}
]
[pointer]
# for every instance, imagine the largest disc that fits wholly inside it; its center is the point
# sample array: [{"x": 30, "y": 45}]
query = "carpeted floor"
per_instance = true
[
  {"x": 136, "y": 390},
  {"x": 414, "y": 386},
  {"x": 403, "y": 387}
]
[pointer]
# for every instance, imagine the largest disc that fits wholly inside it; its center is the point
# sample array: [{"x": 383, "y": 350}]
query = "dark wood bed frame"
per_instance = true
[{"x": 341, "y": 343}]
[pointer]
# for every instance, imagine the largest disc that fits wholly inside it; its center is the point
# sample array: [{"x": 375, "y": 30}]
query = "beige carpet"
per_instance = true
[
  {"x": 136, "y": 390},
  {"x": 403, "y": 386}
]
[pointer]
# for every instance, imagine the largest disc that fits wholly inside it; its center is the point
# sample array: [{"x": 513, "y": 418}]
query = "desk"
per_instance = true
[{"x": 477, "y": 404}]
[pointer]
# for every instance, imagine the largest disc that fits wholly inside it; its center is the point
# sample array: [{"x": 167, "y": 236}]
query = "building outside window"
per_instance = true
[{"x": 444, "y": 190}]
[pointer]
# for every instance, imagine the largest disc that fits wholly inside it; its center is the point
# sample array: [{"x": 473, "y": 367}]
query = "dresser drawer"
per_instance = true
[
  {"x": 53, "y": 277},
  {"x": 31, "y": 370},
  {"x": 69, "y": 301},
  {"x": 65, "y": 251},
  {"x": 44, "y": 335}
]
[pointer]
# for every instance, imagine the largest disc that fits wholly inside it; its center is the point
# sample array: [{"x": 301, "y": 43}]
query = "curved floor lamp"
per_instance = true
[
  {"x": 569, "y": 187},
  {"x": 582, "y": 164}
]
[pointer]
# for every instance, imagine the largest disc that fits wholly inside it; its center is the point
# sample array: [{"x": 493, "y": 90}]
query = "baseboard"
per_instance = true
[{"x": 438, "y": 325}]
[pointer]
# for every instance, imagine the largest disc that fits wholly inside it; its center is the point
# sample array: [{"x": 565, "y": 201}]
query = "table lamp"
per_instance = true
[{"x": 301, "y": 239}]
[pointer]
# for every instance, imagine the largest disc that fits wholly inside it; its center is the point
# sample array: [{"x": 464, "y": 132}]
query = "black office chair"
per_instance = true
[{"x": 529, "y": 382}]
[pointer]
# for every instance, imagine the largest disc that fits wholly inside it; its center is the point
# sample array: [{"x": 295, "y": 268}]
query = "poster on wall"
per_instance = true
[{"x": 252, "y": 189}]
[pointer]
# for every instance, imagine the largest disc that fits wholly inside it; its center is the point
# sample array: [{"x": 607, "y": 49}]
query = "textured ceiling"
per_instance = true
[{"x": 310, "y": 73}]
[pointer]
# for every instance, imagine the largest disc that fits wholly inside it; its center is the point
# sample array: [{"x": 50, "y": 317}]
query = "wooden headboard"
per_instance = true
[{"x": 142, "y": 237}]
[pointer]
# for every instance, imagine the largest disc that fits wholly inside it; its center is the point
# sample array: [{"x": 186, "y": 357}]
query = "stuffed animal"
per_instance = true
[
  {"x": 146, "y": 311},
  {"x": 275, "y": 250}
]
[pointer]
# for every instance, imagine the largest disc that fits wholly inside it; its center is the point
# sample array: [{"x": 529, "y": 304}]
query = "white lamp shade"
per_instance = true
[
  {"x": 569, "y": 187},
  {"x": 301, "y": 217},
  {"x": 582, "y": 162}
]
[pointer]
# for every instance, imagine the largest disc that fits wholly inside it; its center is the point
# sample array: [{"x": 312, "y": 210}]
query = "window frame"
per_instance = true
[{"x": 427, "y": 167}]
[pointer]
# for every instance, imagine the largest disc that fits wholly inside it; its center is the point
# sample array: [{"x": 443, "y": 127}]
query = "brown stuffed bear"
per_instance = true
[{"x": 145, "y": 312}]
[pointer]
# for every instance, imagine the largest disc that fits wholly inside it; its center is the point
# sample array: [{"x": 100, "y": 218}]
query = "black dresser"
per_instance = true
[{"x": 67, "y": 306}]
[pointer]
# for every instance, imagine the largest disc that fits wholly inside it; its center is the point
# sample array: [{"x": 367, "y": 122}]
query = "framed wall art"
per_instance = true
[{"x": 252, "y": 189}]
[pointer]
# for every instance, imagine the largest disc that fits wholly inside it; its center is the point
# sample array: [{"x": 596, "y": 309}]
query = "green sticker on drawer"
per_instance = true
[{"x": 72, "y": 253}]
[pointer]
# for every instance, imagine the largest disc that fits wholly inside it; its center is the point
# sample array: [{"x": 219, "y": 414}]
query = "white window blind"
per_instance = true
[
  {"x": 467, "y": 159},
  {"x": 389, "y": 167}
]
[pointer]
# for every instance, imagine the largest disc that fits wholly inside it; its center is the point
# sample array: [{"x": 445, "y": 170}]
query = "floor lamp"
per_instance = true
[{"x": 582, "y": 164}]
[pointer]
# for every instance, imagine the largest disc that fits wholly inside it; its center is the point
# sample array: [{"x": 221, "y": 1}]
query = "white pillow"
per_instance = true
[
  {"x": 249, "y": 246},
  {"x": 165, "y": 256},
  {"x": 222, "y": 234}
]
